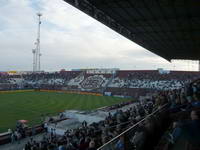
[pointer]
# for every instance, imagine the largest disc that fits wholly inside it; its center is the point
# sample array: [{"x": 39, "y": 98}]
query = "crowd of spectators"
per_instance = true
[
  {"x": 152, "y": 79},
  {"x": 7, "y": 82},
  {"x": 94, "y": 82},
  {"x": 46, "y": 80},
  {"x": 186, "y": 101},
  {"x": 155, "y": 75},
  {"x": 85, "y": 82},
  {"x": 18, "y": 133},
  {"x": 90, "y": 82},
  {"x": 90, "y": 137}
]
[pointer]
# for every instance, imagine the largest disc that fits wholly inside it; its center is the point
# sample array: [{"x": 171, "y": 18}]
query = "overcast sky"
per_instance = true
[{"x": 69, "y": 39}]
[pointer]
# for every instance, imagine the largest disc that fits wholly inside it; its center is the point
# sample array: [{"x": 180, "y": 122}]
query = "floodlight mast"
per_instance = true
[
  {"x": 36, "y": 51},
  {"x": 34, "y": 62},
  {"x": 39, "y": 54}
]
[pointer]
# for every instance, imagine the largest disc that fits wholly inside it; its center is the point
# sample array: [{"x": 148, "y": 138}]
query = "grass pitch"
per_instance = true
[{"x": 31, "y": 105}]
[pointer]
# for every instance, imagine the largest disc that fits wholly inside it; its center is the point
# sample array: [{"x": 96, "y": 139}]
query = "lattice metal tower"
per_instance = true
[{"x": 36, "y": 51}]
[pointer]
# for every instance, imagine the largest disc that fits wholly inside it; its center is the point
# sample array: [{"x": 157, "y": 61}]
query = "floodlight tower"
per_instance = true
[
  {"x": 38, "y": 42},
  {"x": 36, "y": 51},
  {"x": 34, "y": 62}
]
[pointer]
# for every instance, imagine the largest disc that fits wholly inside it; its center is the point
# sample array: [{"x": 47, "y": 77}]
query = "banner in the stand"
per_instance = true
[
  {"x": 73, "y": 92},
  {"x": 16, "y": 91}
]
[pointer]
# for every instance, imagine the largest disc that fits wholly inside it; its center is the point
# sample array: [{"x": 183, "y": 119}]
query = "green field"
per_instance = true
[{"x": 31, "y": 105}]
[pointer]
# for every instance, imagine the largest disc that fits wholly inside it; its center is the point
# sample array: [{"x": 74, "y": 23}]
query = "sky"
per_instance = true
[{"x": 70, "y": 39}]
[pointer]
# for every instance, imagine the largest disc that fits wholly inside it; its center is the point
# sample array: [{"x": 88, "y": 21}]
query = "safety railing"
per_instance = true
[{"x": 127, "y": 135}]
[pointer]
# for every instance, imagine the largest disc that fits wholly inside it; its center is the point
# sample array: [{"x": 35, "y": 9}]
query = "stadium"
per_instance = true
[{"x": 110, "y": 108}]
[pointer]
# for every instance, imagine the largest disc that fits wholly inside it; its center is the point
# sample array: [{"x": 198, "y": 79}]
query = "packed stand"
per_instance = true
[
  {"x": 81, "y": 81},
  {"x": 90, "y": 82},
  {"x": 152, "y": 79},
  {"x": 184, "y": 131},
  {"x": 90, "y": 137},
  {"x": 9, "y": 82}
]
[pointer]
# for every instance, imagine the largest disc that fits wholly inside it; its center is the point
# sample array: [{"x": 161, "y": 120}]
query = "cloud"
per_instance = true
[{"x": 69, "y": 39}]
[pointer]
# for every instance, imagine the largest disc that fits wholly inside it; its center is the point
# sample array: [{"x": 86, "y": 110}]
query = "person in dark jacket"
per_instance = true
[{"x": 190, "y": 129}]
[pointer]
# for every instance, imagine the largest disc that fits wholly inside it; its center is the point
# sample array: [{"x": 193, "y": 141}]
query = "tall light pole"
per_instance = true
[
  {"x": 36, "y": 51},
  {"x": 34, "y": 62},
  {"x": 38, "y": 39}
]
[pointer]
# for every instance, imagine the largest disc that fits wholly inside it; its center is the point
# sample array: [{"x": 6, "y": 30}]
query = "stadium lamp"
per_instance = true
[{"x": 39, "y": 14}]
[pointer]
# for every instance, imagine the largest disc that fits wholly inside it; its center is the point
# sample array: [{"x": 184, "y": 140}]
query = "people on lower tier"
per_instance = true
[
  {"x": 120, "y": 144},
  {"x": 189, "y": 129},
  {"x": 90, "y": 137}
]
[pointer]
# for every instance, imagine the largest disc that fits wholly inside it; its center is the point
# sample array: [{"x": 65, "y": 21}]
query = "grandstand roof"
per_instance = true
[{"x": 168, "y": 28}]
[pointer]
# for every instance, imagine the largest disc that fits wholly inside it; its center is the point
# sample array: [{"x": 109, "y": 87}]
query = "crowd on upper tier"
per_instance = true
[
  {"x": 152, "y": 80},
  {"x": 77, "y": 80}
]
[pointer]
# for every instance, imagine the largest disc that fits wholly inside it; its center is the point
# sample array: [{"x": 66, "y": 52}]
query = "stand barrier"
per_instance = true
[{"x": 127, "y": 137}]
